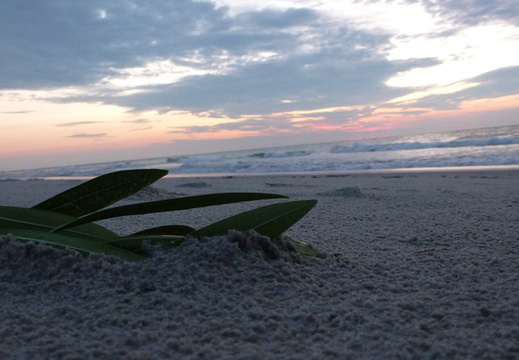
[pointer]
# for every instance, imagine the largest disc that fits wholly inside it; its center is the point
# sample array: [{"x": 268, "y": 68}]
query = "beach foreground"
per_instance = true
[{"x": 418, "y": 265}]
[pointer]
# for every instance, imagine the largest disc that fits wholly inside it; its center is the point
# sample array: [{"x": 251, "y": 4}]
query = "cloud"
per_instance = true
[
  {"x": 342, "y": 117},
  {"x": 473, "y": 12},
  {"x": 497, "y": 83},
  {"x": 249, "y": 125},
  {"x": 88, "y": 136},
  {"x": 53, "y": 44},
  {"x": 333, "y": 76},
  {"x": 240, "y": 64},
  {"x": 277, "y": 19},
  {"x": 501, "y": 82},
  {"x": 231, "y": 59},
  {"x": 137, "y": 121},
  {"x": 77, "y": 123},
  {"x": 17, "y": 112}
]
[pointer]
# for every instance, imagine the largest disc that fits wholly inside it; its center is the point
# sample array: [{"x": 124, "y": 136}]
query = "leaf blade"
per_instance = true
[
  {"x": 271, "y": 220},
  {"x": 176, "y": 204},
  {"x": 42, "y": 220},
  {"x": 101, "y": 191},
  {"x": 65, "y": 241},
  {"x": 134, "y": 242},
  {"x": 180, "y": 230}
]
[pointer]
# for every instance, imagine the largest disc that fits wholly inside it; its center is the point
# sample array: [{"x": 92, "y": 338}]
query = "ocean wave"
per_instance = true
[
  {"x": 280, "y": 154},
  {"x": 479, "y": 147},
  {"x": 358, "y": 147}
]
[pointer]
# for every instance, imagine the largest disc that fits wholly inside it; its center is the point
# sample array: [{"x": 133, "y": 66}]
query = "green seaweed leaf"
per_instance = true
[
  {"x": 271, "y": 220},
  {"x": 134, "y": 242},
  {"x": 176, "y": 204},
  {"x": 180, "y": 230},
  {"x": 101, "y": 191},
  {"x": 74, "y": 211},
  {"x": 41, "y": 220},
  {"x": 72, "y": 242}
]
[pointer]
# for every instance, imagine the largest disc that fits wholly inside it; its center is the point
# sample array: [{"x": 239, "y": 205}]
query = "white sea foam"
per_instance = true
[{"x": 490, "y": 141}]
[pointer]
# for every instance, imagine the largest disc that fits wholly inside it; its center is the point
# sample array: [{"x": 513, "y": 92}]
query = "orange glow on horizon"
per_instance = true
[{"x": 44, "y": 129}]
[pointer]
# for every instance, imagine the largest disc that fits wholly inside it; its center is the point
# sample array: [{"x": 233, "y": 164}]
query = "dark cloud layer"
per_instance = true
[
  {"x": 260, "y": 89},
  {"x": 62, "y": 43},
  {"x": 501, "y": 82},
  {"x": 315, "y": 63}
]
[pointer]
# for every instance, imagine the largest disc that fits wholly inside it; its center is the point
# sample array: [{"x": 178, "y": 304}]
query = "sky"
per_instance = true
[{"x": 106, "y": 80}]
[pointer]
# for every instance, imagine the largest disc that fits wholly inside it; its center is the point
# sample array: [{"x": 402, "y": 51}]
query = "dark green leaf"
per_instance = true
[
  {"x": 180, "y": 230},
  {"x": 176, "y": 204},
  {"x": 34, "y": 219},
  {"x": 101, "y": 191},
  {"x": 134, "y": 242},
  {"x": 65, "y": 241},
  {"x": 270, "y": 220}
]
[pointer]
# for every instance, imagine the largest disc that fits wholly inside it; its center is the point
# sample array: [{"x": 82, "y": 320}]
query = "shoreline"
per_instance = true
[{"x": 461, "y": 169}]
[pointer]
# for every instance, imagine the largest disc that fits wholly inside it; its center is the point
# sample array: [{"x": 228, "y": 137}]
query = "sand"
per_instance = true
[{"x": 418, "y": 266}]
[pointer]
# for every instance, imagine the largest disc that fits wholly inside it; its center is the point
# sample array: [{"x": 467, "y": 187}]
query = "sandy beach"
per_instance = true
[{"x": 418, "y": 266}]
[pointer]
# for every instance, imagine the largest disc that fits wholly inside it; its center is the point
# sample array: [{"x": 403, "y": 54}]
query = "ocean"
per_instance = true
[{"x": 492, "y": 147}]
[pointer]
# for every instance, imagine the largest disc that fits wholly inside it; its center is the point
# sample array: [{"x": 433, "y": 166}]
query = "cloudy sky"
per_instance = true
[{"x": 102, "y": 80}]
